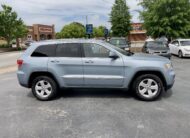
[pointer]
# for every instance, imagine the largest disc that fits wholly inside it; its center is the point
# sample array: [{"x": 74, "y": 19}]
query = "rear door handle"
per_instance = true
[{"x": 89, "y": 61}]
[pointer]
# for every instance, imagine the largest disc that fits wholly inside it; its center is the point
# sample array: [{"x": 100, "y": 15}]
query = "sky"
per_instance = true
[{"x": 62, "y": 12}]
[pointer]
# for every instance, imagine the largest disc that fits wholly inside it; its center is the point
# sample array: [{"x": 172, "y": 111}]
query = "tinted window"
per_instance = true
[
  {"x": 118, "y": 42},
  {"x": 44, "y": 51},
  {"x": 68, "y": 50},
  {"x": 185, "y": 43},
  {"x": 95, "y": 50},
  {"x": 155, "y": 44}
]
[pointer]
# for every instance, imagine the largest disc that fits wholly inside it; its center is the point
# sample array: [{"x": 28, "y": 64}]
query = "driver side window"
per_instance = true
[{"x": 95, "y": 50}]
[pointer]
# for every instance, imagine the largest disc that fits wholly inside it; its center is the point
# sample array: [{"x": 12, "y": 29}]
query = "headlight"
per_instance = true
[
  {"x": 187, "y": 50},
  {"x": 168, "y": 66}
]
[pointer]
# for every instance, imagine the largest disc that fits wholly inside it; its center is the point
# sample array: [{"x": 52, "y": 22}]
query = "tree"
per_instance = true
[
  {"x": 58, "y": 35},
  {"x": 73, "y": 30},
  {"x": 98, "y": 31},
  {"x": 11, "y": 27},
  {"x": 170, "y": 18},
  {"x": 120, "y": 19}
]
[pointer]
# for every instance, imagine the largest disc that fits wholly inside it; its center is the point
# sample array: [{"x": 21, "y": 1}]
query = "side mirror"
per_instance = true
[{"x": 113, "y": 55}]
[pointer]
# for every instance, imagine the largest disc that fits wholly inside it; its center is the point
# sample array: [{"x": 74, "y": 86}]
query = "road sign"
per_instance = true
[
  {"x": 106, "y": 32},
  {"x": 89, "y": 29}
]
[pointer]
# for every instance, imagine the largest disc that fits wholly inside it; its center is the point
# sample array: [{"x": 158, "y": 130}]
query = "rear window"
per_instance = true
[
  {"x": 118, "y": 41},
  {"x": 45, "y": 51},
  {"x": 69, "y": 50}
]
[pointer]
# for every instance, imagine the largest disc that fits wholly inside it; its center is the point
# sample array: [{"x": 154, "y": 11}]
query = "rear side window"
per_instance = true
[
  {"x": 45, "y": 51},
  {"x": 69, "y": 50}
]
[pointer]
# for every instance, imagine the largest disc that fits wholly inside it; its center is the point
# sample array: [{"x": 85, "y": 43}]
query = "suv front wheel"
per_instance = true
[
  {"x": 148, "y": 87},
  {"x": 44, "y": 88}
]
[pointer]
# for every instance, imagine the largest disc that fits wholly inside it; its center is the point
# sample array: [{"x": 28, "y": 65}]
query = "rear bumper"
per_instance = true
[{"x": 22, "y": 79}]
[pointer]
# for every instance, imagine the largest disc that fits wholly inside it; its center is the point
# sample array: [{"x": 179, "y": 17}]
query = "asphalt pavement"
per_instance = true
[{"x": 98, "y": 113}]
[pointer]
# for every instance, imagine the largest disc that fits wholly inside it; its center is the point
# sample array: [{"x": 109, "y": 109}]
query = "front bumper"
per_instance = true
[
  {"x": 186, "y": 53},
  {"x": 170, "y": 79}
]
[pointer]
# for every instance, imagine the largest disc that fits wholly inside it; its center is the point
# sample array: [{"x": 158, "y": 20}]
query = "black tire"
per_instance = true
[
  {"x": 139, "y": 79},
  {"x": 53, "y": 84},
  {"x": 180, "y": 54}
]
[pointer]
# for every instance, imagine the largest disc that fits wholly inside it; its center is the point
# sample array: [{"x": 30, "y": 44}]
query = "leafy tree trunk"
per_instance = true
[
  {"x": 8, "y": 42},
  {"x": 120, "y": 19},
  {"x": 17, "y": 43}
]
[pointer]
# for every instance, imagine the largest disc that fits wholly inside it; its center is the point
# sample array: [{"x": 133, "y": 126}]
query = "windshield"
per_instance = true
[
  {"x": 185, "y": 43},
  {"x": 118, "y": 42},
  {"x": 155, "y": 44},
  {"x": 118, "y": 49}
]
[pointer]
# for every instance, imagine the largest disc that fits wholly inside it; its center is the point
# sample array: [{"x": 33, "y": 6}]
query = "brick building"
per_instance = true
[
  {"x": 39, "y": 32},
  {"x": 137, "y": 33}
]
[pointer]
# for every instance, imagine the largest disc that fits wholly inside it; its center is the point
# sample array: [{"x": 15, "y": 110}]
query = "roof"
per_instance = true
[
  {"x": 57, "y": 41},
  {"x": 183, "y": 39}
]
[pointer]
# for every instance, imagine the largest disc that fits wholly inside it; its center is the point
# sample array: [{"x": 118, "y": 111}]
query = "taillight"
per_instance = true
[{"x": 19, "y": 62}]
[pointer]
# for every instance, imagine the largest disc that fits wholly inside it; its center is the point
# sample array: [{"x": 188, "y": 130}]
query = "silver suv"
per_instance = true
[{"x": 50, "y": 65}]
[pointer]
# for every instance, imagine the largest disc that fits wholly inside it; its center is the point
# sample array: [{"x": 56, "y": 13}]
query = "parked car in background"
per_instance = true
[
  {"x": 47, "y": 66},
  {"x": 28, "y": 42},
  {"x": 156, "y": 48},
  {"x": 120, "y": 42},
  {"x": 180, "y": 47}
]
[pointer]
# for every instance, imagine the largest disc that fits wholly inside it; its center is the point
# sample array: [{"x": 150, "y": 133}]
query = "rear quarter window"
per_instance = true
[{"x": 44, "y": 51}]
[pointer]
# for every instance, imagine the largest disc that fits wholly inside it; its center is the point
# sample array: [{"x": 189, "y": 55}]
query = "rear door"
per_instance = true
[
  {"x": 99, "y": 69},
  {"x": 67, "y": 65}
]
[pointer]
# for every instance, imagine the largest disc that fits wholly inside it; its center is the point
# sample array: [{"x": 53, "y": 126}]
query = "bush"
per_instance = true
[{"x": 4, "y": 46}]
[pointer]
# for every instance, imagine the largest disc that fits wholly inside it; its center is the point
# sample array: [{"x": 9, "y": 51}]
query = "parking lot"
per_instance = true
[{"x": 96, "y": 113}]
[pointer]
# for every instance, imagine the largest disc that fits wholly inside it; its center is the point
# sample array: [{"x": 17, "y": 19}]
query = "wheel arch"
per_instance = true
[
  {"x": 41, "y": 73},
  {"x": 153, "y": 72}
]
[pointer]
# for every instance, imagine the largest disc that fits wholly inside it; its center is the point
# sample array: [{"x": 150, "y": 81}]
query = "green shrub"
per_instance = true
[{"x": 4, "y": 46}]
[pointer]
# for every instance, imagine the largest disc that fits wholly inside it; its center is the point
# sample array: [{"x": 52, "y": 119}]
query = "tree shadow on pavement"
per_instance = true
[
  {"x": 100, "y": 93},
  {"x": 95, "y": 93}
]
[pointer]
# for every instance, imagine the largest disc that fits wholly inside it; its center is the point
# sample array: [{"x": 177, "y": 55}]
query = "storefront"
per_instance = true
[
  {"x": 39, "y": 32},
  {"x": 138, "y": 33}
]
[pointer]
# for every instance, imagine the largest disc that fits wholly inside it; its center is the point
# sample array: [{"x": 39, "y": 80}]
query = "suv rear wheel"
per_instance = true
[
  {"x": 44, "y": 88},
  {"x": 148, "y": 87}
]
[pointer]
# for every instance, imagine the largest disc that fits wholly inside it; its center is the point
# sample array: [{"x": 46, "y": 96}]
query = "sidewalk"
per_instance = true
[
  {"x": 8, "y": 69},
  {"x": 8, "y": 61},
  {"x": 5, "y": 50}
]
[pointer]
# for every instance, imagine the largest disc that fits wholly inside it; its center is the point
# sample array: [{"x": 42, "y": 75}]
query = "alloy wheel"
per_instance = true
[
  {"x": 148, "y": 88},
  {"x": 43, "y": 88}
]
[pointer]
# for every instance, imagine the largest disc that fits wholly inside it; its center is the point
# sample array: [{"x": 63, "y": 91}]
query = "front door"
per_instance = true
[{"x": 99, "y": 69}]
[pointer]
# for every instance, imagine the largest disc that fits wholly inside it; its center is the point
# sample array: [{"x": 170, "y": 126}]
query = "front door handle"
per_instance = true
[{"x": 54, "y": 61}]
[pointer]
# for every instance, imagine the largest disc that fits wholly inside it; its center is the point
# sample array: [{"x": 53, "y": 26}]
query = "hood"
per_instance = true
[
  {"x": 158, "y": 48},
  {"x": 149, "y": 57}
]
